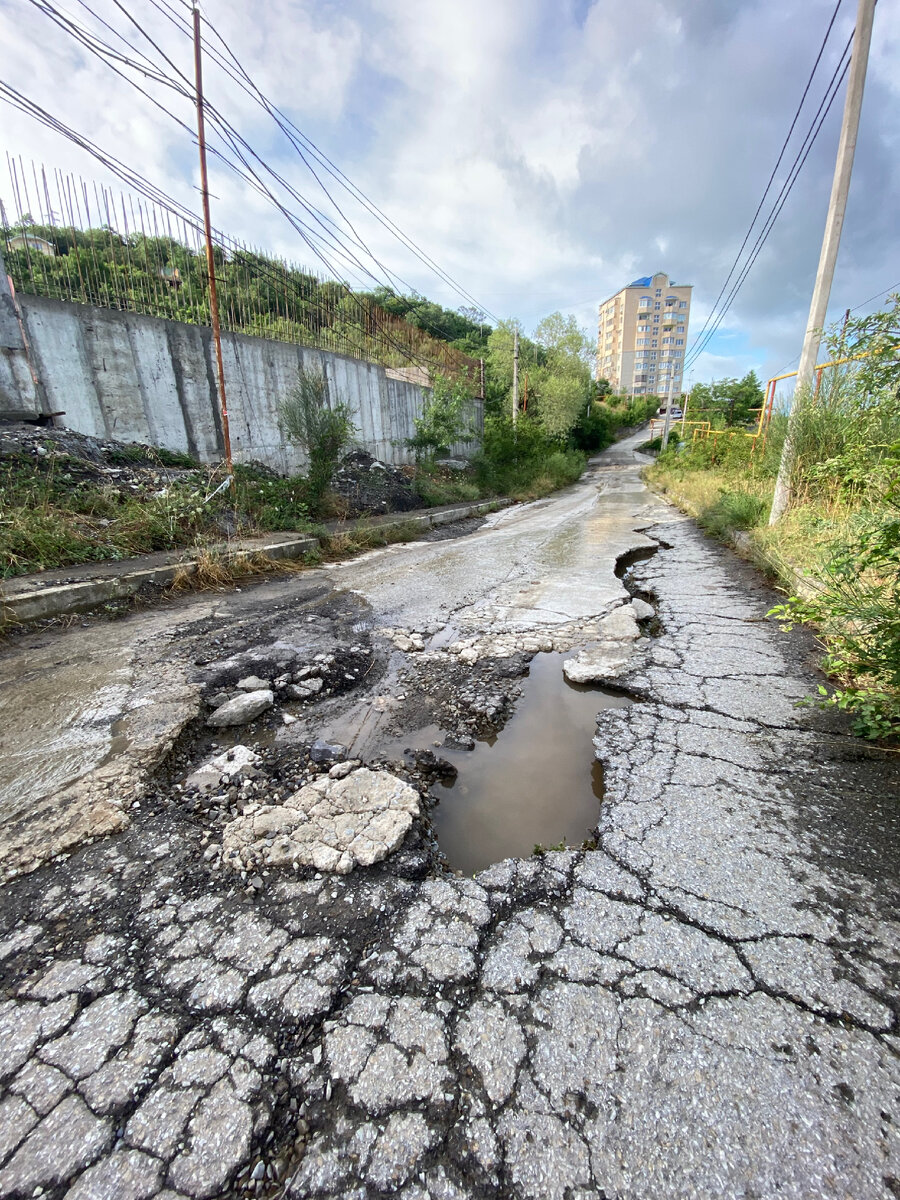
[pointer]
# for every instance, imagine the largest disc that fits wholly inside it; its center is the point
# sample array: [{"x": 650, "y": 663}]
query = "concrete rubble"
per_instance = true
[{"x": 335, "y": 824}]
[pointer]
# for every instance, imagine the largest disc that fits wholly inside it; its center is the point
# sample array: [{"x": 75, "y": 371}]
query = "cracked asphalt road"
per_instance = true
[{"x": 705, "y": 1005}]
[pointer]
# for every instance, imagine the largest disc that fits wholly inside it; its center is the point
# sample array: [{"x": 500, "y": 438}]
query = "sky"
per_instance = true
[{"x": 543, "y": 152}]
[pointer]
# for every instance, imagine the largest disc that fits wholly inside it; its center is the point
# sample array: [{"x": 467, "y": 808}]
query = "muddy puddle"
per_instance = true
[{"x": 536, "y": 783}]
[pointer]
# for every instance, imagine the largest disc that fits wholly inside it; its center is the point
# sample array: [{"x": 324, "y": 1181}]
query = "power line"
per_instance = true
[
  {"x": 308, "y": 234},
  {"x": 771, "y": 178},
  {"x": 331, "y": 238},
  {"x": 780, "y": 201},
  {"x": 150, "y": 191},
  {"x": 893, "y": 288},
  {"x": 294, "y": 134}
]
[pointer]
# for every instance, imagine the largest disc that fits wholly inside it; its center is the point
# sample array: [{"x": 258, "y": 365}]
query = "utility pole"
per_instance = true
[
  {"x": 668, "y": 418},
  {"x": 515, "y": 390},
  {"x": 831, "y": 241},
  {"x": 210, "y": 258}
]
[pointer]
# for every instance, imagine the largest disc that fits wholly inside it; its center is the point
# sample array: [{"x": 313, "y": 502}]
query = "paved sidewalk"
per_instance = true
[{"x": 76, "y": 588}]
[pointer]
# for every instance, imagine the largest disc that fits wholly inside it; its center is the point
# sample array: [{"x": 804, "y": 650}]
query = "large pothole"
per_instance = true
[{"x": 536, "y": 783}]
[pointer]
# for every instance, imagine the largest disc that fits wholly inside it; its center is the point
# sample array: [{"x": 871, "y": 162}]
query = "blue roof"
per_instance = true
[{"x": 645, "y": 282}]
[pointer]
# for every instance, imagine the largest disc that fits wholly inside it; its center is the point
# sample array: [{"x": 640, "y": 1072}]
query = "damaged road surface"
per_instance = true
[{"x": 235, "y": 962}]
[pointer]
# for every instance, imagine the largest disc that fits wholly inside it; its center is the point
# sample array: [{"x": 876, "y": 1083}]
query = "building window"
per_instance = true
[
  {"x": 654, "y": 343},
  {"x": 658, "y": 292},
  {"x": 679, "y": 341},
  {"x": 667, "y": 341},
  {"x": 682, "y": 303}
]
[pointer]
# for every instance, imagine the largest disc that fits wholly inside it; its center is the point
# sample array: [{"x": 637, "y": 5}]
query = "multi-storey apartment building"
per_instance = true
[{"x": 643, "y": 333}]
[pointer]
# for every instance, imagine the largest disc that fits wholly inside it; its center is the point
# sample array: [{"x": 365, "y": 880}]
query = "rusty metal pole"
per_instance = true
[{"x": 210, "y": 259}]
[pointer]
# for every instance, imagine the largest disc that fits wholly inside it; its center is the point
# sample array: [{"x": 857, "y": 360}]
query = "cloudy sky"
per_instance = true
[{"x": 543, "y": 152}]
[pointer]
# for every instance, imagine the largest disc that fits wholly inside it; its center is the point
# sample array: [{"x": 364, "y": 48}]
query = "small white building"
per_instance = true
[{"x": 32, "y": 243}]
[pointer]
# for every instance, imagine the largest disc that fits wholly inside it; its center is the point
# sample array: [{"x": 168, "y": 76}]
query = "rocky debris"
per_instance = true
[
  {"x": 609, "y": 658},
  {"x": 642, "y": 610},
  {"x": 410, "y": 644},
  {"x": 304, "y": 690},
  {"x": 331, "y": 824},
  {"x": 327, "y": 752},
  {"x": 368, "y": 485},
  {"x": 242, "y": 709},
  {"x": 341, "y": 770},
  {"x": 289, "y": 669},
  {"x": 428, "y": 765},
  {"x": 525, "y": 644},
  {"x": 239, "y": 760},
  {"x": 252, "y": 683}
]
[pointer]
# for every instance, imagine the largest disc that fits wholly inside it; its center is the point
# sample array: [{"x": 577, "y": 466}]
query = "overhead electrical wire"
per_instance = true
[
  {"x": 717, "y": 313},
  {"x": 312, "y": 238},
  {"x": 771, "y": 178},
  {"x": 349, "y": 259},
  {"x": 305, "y": 147},
  {"x": 138, "y": 183},
  {"x": 802, "y": 155},
  {"x": 302, "y": 144},
  {"x": 330, "y": 237}
]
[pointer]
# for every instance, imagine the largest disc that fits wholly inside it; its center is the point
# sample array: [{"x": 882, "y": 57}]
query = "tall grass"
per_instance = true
[{"x": 842, "y": 531}]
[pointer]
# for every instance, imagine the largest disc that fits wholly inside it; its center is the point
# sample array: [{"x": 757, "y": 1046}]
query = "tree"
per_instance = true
[
  {"x": 562, "y": 383},
  {"x": 735, "y": 399}
]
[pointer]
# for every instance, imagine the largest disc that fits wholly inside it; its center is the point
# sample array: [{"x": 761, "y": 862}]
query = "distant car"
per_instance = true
[{"x": 677, "y": 413}]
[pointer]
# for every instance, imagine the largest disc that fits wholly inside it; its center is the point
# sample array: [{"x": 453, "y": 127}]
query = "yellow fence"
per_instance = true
[{"x": 703, "y": 430}]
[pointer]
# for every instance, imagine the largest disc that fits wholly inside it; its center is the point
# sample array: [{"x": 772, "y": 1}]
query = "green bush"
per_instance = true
[
  {"x": 524, "y": 461},
  {"x": 857, "y": 613},
  {"x": 442, "y": 422},
  {"x": 323, "y": 431}
]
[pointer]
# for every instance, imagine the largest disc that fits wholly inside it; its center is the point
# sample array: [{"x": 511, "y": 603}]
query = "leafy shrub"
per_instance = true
[
  {"x": 857, "y": 613},
  {"x": 442, "y": 421},
  {"x": 524, "y": 461},
  {"x": 323, "y": 431}
]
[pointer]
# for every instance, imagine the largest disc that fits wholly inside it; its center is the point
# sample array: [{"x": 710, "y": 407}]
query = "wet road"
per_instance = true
[{"x": 705, "y": 1005}]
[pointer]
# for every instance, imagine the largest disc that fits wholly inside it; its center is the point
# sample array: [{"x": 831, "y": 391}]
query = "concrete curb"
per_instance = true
[{"x": 17, "y": 608}]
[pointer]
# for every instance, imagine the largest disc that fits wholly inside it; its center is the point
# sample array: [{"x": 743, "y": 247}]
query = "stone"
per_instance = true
[
  {"x": 304, "y": 690},
  {"x": 322, "y": 752},
  {"x": 253, "y": 683},
  {"x": 331, "y": 824},
  {"x": 642, "y": 610},
  {"x": 242, "y": 709},
  {"x": 239, "y": 760},
  {"x": 604, "y": 661}
]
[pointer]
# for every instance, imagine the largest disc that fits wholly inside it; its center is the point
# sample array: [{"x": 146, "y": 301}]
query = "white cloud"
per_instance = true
[{"x": 543, "y": 153}]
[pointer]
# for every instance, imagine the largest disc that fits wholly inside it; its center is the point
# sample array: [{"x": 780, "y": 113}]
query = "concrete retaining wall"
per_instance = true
[{"x": 130, "y": 377}]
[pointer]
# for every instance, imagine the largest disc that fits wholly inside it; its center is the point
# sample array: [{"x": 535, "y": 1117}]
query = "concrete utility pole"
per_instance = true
[
  {"x": 210, "y": 258},
  {"x": 515, "y": 392},
  {"x": 831, "y": 241}
]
